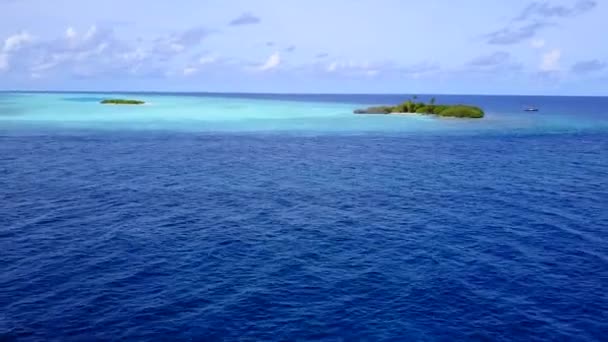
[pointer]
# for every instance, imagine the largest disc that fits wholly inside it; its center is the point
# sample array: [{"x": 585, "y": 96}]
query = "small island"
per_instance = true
[
  {"x": 122, "y": 102},
  {"x": 413, "y": 107}
]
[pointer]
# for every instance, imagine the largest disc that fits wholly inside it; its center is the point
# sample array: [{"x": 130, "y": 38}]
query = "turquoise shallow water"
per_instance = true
[{"x": 304, "y": 113}]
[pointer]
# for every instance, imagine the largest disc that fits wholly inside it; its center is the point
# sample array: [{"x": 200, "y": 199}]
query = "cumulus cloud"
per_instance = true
[
  {"x": 547, "y": 10},
  {"x": 550, "y": 61},
  {"x": 70, "y": 33},
  {"x": 17, "y": 41},
  {"x": 589, "y": 66},
  {"x": 11, "y": 46},
  {"x": 98, "y": 51},
  {"x": 271, "y": 63},
  {"x": 75, "y": 51},
  {"x": 246, "y": 18}
]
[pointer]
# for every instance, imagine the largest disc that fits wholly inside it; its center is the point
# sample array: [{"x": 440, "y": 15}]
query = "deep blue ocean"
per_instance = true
[{"x": 423, "y": 230}]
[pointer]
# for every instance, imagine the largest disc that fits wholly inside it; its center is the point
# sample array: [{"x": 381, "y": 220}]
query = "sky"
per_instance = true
[{"x": 556, "y": 47}]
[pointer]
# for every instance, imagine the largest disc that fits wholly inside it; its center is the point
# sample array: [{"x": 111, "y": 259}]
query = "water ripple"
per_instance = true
[{"x": 141, "y": 236}]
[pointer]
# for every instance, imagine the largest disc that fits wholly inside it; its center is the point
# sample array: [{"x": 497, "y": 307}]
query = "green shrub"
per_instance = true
[
  {"x": 462, "y": 111},
  {"x": 418, "y": 106},
  {"x": 458, "y": 111},
  {"x": 424, "y": 110},
  {"x": 122, "y": 102},
  {"x": 375, "y": 110},
  {"x": 402, "y": 108},
  {"x": 406, "y": 107},
  {"x": 439, "y": 108}
]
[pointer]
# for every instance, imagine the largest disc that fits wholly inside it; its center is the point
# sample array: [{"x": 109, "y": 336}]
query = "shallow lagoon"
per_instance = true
[{"x": 294, "y": 113}]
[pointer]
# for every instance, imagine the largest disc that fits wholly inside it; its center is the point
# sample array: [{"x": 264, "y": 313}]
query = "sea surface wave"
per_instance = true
[{"x": 129, "y": 234}]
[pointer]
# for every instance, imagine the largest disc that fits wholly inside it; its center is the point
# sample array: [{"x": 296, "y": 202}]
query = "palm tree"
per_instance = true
[{"x": 410, "y": 106}]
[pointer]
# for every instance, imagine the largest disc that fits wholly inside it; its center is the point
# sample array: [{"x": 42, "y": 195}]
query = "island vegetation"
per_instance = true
[
  {"x": 431, "y": 108},
  {"x": 122, "y": 102}
]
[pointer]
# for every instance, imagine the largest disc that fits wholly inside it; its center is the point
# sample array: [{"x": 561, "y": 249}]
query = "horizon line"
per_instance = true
[{"x": 278, "y": 93}]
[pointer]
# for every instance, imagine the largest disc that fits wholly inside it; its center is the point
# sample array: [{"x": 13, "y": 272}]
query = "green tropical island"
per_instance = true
[
  {"x": 122, "y": 102},
  {"x": 431, "y": 108}
]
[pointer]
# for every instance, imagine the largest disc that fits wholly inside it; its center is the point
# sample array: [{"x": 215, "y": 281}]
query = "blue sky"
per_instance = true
[{"x": 314, "y": 46}]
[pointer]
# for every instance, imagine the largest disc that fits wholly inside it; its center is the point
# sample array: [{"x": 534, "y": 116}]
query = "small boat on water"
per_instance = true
[{"x": 531, "y": 109}]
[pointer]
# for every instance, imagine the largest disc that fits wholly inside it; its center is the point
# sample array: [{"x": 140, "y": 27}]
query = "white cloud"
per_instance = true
[
  {"x": 332, "y": 67},
  {"x": 91, "y": 32},
  {"x": 179, "y": 42},
  {"x": 350, "y": 65},
  {"x": 97, "y": 51},
  {"x": 353, "y": 67},
  {"x": 177, "y": 48},
  {"x": 54, "y": 61},
  {"x": 136, "y": 55},
  {"x": 12, "y": 45},
  {"x": 538, "y": 43},
  {"x": 70, "y": 33},
  {"x": 207, "y": 60},
  {"x": 17, "y": 41},
  {"x": 550, "y": 60},
  {"x": 190, "y": 71},
  {"x": 272, "y": 62},
  {"x": 196, "y": 67}
]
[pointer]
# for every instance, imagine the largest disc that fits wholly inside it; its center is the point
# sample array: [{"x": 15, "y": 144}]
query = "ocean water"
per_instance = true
[{"x": 223, "y": 217}]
